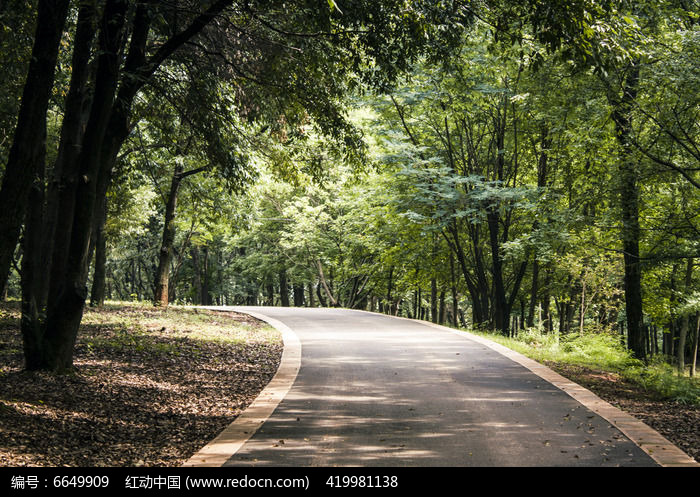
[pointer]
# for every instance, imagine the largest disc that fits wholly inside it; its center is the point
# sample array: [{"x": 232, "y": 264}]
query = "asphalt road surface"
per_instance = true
[{"x": 373, "y": 390}]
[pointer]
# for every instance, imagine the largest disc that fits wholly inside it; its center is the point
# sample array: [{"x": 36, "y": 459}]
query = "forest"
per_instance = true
[{"x": 493, "y": 165}]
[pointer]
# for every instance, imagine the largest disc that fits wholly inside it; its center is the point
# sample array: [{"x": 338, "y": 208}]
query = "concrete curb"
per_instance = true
[{"x": 229, "y": 441}]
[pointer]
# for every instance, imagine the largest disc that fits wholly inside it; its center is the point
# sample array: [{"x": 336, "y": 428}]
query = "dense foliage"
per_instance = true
[{"x": 509, "y": 166}]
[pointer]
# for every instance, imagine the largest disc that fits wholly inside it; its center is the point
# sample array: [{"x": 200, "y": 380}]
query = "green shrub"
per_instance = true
[
  {"x": 595, "y": 349},
  {"x": 661, "y": 378}
]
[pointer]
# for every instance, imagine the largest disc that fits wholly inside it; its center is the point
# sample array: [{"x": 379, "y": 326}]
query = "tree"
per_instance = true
[{"x": 274, "y": 49}]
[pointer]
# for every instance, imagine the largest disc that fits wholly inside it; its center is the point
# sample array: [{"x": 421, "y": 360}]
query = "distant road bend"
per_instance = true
[{"x": 373, "y": 390}]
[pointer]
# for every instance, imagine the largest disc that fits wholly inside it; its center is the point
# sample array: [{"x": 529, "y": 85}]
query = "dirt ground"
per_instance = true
[{"x": 149, "y": 398}]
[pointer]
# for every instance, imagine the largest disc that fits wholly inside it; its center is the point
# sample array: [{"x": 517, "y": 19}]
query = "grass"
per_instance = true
[
  {"x": 603, "y": 351},
  {"x": 140, "y": 327}
]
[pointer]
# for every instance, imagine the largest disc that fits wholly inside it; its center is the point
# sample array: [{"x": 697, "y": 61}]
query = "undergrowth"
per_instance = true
[{"x": 604, "y": 351}]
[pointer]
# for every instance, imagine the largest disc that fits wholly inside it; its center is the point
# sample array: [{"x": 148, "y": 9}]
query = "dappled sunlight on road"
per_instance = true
[{"x": 378, "y": 391}]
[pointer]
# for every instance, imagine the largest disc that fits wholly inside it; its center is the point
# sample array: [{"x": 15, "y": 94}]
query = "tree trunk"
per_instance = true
[
  {"x": 62, "y": 187},
  {"x": 501, "y": 312},
  {"x": 206, "y": 295},
  {"x": 196, "y": 275},
  {"x": 27, "y": 153},
  {"x": 418, "y": 308},
  {"x": 685, "y": 321},
  {"x": 433, "y": 300},
  {"x": 629, "y": 202},
  {"x": 455, "y": 302},
  {"x": 31, "y": 277},
  {"x": 165, "y": 254},
  {"x": 97, "y": 295},
  {"x": 582, "y": 310},
  {"x": 326, "y": 286},
  {"x": 270, "y": 288},
  {"x": 311, "y": 295},
  {"x": 478, "y": 290},
  {"x": 669, "y": 338},
  {"x": 389, "y": 288},
  {"x": 443, "y": 308},
  {"x": 695, "y": 345},
  {"x": 104, "y": 133},
  {"x": 284, "y": 289},
  {"x": 298, "y": 293},
  {"x": 548, "y": 323},
  {"x": 321, "y": 300},
  {"x": 64, "y": 311},
  {"x": 542, "y": 171},
  {"x": 533, "y": 293}
]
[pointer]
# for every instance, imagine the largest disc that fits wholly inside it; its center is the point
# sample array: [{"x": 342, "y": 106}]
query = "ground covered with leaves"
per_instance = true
[
  {"x": 150, "y": 388},
  {"x": 678, "y": 422}
]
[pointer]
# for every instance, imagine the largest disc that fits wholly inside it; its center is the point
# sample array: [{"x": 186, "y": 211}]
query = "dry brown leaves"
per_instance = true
[
  {"x": 147, "y": 394},
  {"x": 679, "y": 423}
]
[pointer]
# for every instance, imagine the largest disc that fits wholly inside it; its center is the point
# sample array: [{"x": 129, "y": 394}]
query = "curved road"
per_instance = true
[{"x": 374, "y": 390}]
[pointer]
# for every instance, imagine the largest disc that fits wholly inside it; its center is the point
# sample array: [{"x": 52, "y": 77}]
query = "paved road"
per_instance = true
[{"x": 374, "y": 390}]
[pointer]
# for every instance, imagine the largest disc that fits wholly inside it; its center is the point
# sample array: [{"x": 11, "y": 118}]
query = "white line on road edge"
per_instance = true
[{"x": 229, "y": 441}]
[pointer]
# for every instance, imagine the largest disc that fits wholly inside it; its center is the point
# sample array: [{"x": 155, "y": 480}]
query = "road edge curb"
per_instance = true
[{"x": 232, "y": 438}]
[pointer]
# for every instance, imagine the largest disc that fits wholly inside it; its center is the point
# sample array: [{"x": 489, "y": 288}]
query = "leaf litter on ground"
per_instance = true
[{"x": 150, "y": 387}]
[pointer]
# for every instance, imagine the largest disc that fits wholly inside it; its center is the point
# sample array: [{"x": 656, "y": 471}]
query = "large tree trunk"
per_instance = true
[
  {"x": 65, "y": 312},
  {"x": 64, "y": 308},
  {"x": 32, "y": 277},
  {"x": 27, "y": 153},
  {"x": 62, "y": 187},
  {"x": 104, "y": 134},
  {"x": 629, "y": 202}
]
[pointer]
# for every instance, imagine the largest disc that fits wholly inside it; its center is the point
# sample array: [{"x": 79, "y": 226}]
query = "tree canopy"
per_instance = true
[{"x": 494, "y": 164}]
